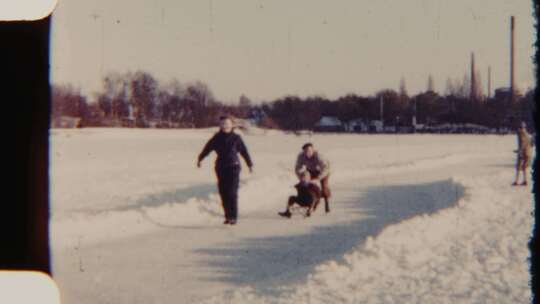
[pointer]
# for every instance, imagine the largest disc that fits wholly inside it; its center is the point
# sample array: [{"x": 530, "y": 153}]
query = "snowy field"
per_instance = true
[{"x": 415, "y": 219}]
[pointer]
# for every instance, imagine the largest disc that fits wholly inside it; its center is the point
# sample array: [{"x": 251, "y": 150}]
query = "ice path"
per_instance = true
[{"x": 364, "y": 211}]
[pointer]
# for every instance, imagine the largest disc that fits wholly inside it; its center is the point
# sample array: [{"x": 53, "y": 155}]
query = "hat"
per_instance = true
[
  {"x": 307, "y": 145},
  {"x": 226, "y": 116}
]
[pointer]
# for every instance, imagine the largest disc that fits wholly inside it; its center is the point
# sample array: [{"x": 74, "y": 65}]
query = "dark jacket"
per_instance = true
[
  {"x": 227, "y": 147},
  {"x": 307, "y": 193}
]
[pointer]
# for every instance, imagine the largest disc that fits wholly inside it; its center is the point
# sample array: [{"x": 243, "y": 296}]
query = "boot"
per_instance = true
[
  {"x": 326, "y": 205},
  {"x": 286, "y": 214}
]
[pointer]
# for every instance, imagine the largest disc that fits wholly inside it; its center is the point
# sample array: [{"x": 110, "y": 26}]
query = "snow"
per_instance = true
[
  {"x": 415, "y": 219},
  {"x": 472, "y": 253}
]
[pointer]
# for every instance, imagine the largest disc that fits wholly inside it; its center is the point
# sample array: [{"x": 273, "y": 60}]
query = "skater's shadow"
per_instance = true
[
  {"x": 179, "y": 195},
  {"x": 277, "y": 261},
  {"x": 506, "y": 165}
]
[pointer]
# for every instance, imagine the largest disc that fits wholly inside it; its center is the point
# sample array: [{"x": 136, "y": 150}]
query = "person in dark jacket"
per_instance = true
[
  {"x": 308, "y": 195},
  {"x": 227, "y": 145}
]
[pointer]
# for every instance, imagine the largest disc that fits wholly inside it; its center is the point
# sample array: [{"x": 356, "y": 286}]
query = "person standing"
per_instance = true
[
  {"x": 524, "y": 153},
  {"x": 319, "y": 168},
  {"x": 227, "y": 145}
]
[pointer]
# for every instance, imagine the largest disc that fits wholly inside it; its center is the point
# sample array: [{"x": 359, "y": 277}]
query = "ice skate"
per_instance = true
[{"x": 286, "y": 214}]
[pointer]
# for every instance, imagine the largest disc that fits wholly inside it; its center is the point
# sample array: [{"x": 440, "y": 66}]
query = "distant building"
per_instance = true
[
  {"x": 243, "y": 124},
  {"x": 505, "y": 94},
  {"x": 153, "y": 123},
  {"x": 419, "y": 127},
  {"x": 128, "y": 122},
  {"x": 357, "y": 125},
  {"x": 462, "y": 128},
  {"x": 66, "y": 122},
  {"x": 329, "y": 124},
  {"x": 376, "y": 126},
  {"x": 256, "y": 116}
]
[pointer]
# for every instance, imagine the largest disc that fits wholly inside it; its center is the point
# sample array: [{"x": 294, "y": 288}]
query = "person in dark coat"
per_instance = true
[
  {"x": 227, "y": 145},
  {"x": 308, "y": 195}
]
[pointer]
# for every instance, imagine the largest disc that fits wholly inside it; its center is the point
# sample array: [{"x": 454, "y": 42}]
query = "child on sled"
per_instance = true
[{"x": 308, "y": 196}]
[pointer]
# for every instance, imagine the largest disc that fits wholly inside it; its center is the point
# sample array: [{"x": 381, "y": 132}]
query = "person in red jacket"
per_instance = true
[
  {"x": 308, "y": 195},
  {"x": 227, "y": 145}
]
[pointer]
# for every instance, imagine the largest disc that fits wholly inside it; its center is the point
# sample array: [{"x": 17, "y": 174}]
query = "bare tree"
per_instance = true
[
  {"x": 458, "y": 88},
  {"x": 67, "y": 101},
  {"x": 464, "y": 89},
  {"x": 430, "y": 84},
  {"x": 391, "y": 103},
  {"x": 479, "y": 91},
  {"x": 402, "y": 87},
  {"x": 198, "y": 98},
  {"x": 114, "y": 100},
  {"x": 451, "y": 87},
  {"x": 143, "y": 95},
  {"x": 244, "y": 106}
]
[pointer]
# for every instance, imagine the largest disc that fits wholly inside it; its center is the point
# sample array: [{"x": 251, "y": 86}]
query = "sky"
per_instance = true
[{"x": 266, "y": 49}]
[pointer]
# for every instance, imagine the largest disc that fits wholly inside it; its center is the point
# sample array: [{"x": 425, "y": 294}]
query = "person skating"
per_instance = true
[
  {"x": 318, "y": 167},
  {"x": 524, "y": 153},
  {"x": 308, "y": 195},
  {"x": 227, "y": 145}
]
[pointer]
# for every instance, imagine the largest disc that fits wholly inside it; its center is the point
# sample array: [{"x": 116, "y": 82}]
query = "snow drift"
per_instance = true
[{"x": 475, "y": 252}]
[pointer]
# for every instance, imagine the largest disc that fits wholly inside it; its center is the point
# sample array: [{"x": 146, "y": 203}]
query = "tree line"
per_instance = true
[{"x": 139, "y": 99}]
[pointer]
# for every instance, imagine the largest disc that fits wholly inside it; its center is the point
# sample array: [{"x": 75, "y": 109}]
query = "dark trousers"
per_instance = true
[
  {"x": 298, "y": 200},
  {"x": 228, "y": 182}
]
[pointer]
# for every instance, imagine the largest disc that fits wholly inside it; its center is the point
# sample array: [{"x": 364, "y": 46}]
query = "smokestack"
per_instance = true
[
  {"x": 473, "y": 92},
  {"x": 382, "y": 110},
  {"x": 489, "y": 83},
  {"x": 512, "y": 59}
]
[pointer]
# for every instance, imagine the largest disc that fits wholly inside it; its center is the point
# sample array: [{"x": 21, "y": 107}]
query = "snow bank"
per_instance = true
[
  {"x": 113, "y": 224},
  {"x": 404, "y": 166},
  {"x": 171, "y": 211},
  {"x": 475, "y": 252}
]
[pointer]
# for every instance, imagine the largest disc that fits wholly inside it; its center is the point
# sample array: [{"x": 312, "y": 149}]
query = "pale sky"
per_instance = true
[{"x": 267, "y": 49}]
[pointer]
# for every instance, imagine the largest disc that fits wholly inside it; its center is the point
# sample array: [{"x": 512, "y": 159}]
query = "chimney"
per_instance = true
[
  {"x": 473, "y": 92},
  {"x": 512, "y": 60},
  {"x": 489, "y": 83}
]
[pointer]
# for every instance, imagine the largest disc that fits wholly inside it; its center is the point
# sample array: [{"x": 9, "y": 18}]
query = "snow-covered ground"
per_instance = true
[{"x": 415, "y": 219}]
